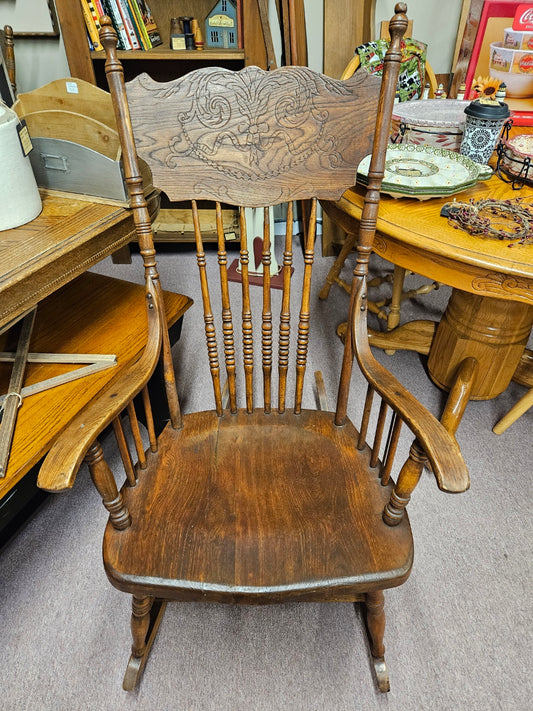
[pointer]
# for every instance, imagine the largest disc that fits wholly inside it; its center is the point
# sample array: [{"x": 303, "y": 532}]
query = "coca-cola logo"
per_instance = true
[
  {"x": 526, "y": 64},
  {"x": 523, "y": 19}
]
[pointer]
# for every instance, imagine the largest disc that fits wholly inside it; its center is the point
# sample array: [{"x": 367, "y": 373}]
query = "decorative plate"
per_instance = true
[{"x": 425, "y": 172}]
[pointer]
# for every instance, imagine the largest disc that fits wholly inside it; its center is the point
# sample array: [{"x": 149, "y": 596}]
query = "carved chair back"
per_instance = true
[{"x": 254, "y": 139}]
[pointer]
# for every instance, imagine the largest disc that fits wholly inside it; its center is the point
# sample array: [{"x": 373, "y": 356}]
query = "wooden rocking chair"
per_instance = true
[{"x": 260, "y": 503}]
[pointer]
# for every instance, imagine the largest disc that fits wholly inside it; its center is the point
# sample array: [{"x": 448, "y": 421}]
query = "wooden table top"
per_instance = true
[
  {"x": 412, "y": 234},
  {"x": 69, "y": 236}
]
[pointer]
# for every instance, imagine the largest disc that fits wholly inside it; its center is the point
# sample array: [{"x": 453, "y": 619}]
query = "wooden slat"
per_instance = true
[
  {"x": 392, "y": 445},
  {"x": 136, "y": 432},
  {"x": 210, "y": 332},
  {"x": 227, "y": 319},
  {"x": 125, "y": 454},
  {"x": 266, "y": 323},
  {"x": 247, "y": 332},
  {"x": 365, "y": 417},
  {"x": 303, "y": 324},
  {"x": 149, "y": 419},
  {"x": 285, "y": 316},
  {"x": 380, "y": 427}
]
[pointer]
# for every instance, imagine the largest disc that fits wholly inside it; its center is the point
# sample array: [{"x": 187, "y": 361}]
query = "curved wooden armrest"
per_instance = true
[
  {"x": 60, "y": 467},
  {"x": 439, "y": 445}
]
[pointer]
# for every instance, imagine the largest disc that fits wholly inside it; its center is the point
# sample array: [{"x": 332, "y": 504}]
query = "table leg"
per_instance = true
[{"x": 492, "y": 331}]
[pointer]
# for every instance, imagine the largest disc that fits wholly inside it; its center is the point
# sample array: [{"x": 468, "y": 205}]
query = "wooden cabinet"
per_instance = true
[{"x": 161, "y": 62}]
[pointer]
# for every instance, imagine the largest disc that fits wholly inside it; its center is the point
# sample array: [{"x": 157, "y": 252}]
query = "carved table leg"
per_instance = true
[
  {"x": 145, "y": 619},
  {"x": 493, "y": 331},
  {"x": 375, "y": 620}
]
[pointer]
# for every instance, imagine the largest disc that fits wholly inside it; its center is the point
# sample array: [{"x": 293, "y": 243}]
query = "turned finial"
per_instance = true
[
  {"x": 108, "y": 35},
  {"x": 398, "y": 24}
]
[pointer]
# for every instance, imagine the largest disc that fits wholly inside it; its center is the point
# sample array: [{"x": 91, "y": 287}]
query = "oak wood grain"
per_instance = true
[
  {"x": 412, "y": 233},
  {"x": 239, "y": 518},
  {"x": 67, "y": 238},
  {"x": 258, "y": 505},
  {"x": 85, "y": 316}
]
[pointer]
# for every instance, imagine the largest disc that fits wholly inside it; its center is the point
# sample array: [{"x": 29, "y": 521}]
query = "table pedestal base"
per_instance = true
[{"x": 493, "y": 331}]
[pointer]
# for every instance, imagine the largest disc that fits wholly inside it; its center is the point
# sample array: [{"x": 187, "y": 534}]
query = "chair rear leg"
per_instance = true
[
  {"x": 147, "y": 613},
  {"x": 375, "y": 621}
]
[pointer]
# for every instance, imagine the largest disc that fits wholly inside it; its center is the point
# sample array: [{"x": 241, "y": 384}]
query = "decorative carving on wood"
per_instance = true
[
  {"x": 224, "y": 127},
  {"x": 502, "y": 284}
]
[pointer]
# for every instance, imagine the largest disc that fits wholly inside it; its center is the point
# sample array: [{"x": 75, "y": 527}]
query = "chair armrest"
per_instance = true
[
  {"x": 60, "y": 467},
  {"x": 439, "y": 445}
]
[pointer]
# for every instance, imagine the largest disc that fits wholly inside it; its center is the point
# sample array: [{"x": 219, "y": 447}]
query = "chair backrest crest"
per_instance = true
[{"x": 253, "y": 138}]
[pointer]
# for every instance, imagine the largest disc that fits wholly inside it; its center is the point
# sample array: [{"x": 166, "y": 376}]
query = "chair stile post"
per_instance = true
[
  {"x": 227, "y": 319},
  {"x": 10, "y": 57},
  {"x": 210, "y": 333},
  {"x": 247, "y": 330},
  {"x": 143, "y": 224},
  {"x": 266, "y": 325},
  {"x": 124, "y": 450},
  {"x": 303, "y": 324},
  {"x": 285, "y": 315}
]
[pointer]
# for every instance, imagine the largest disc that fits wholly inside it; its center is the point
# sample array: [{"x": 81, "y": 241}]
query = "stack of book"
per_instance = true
[{"x": 132, "y": 20}]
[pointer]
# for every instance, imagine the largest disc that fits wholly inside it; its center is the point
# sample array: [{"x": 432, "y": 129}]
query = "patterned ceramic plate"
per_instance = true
[{"x": 425, "y": 171}]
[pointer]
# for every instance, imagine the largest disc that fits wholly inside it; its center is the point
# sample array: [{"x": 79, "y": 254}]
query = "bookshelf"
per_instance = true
[{"x": 161, "y": 62}]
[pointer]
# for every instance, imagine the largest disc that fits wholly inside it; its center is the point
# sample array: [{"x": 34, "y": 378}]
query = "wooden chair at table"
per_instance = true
[
  {"x": 398, "y": 276},
  {"x": 263, "y": 503}
]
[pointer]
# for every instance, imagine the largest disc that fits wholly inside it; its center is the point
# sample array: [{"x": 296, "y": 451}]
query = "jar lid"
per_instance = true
[{"x": 496, "y": 110}]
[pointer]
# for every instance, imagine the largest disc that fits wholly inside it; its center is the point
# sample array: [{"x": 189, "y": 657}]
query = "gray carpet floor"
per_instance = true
[{"x": 458, "y": 632}]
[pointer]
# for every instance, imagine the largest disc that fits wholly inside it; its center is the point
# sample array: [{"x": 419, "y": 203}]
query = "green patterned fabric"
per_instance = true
[{"x": 412, "y": 71}]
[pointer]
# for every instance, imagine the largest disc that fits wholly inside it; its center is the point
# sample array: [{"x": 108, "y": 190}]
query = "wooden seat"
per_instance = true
[
  {"x": 258, "y": 499},
  {"x": 267, "y": 546}
]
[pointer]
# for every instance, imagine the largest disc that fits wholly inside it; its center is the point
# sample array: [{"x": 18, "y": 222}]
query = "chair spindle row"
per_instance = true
[{"x": 228, "y": 336}]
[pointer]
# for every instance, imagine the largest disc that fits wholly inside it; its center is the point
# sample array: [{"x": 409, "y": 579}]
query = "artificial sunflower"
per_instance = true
[{"x": 486, "y": 88}]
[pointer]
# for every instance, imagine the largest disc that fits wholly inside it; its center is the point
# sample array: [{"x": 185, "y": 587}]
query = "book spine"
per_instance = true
[
  {"x": 98, "y": 6},
  {"x": 111, "y": 9},
  {"x": 140, "y": 26},
  {"x": 91, "y": 25},
  {"x": 128, "y": 25},
  {"x": 94, "y": 13},
  {"x": 151, "y": 26}
]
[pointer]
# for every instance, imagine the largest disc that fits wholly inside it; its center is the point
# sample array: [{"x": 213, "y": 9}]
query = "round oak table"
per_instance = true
[{"x": 483, "y": 333}]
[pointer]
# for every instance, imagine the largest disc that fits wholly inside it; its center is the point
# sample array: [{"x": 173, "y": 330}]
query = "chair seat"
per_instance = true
[{"x": 225, "y": 511}]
